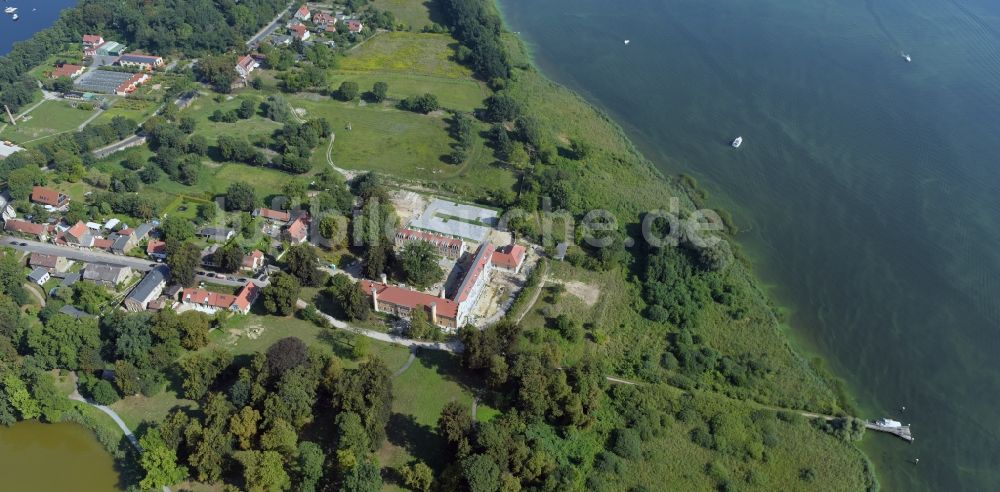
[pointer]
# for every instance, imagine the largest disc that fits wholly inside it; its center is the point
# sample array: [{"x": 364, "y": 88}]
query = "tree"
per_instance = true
[
  {"x": 247, "y": 108},
  {"x": 19, "y": 397},
  {"x": 243, "y": 425},
  {"x": 241, "y": 196},
  {"x": 159, "y": 462},
  {"x": 183, "y": 261},
  {"x": 501, "y": 107},
  {"x": 127, "y": 378},
  {"x": 379, "y": 91},
  {"x": 334, "y": 229},
  {"x": 21, "y": 181},
  {"x": 310, "y": 465},
  {"x": 424, "y": 103},
  {"x": 481, "y": 473},
  {"x": 420, "y": 264},
  {"x": 418, "y": 476},
  {"x": 280, "y": 437},
  {"x": 200, "y": 371},
  {"x": 285, "y": 354},
  {"x": 365, "y": 476},
  {"x": 263, "y": 471},
  {"x": 103, "y": 392},
  {"x": 281, "y": 294},
  {"x": 455, "y": 423},
  {"x": 303, "y": 262},
  {"x": 230, "y": 257},
  {"x": 207, "y": 211},
  {"x": 177, "y": 228},
  {"x": 355, "y": 303},
  {"x": 194, "y": 327},
  {"x": 348, "y": 91},
  {"x": 59, "y": 342},
  {"x": 218, "y": 71}
]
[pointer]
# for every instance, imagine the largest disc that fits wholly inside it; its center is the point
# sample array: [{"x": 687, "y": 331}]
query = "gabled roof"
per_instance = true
[
  {"x": 149, "y": 283},
  {"x": 78, "y": 230},
  {"x": 279, "y": 215},
  {"x": 302, "y": 11},
  {"x": 509, "y": 256},
  {"x": 92, "y": 38},
  {"x": 119, "y": 244},
  {"x": 299, "y": 30},
  {"x": 43, "y": 260},
  {"x": 475, "y": 270},
  {"x": 435, "y": 239},
  {"x": 250, "y": 259},
  {"x": 241, "y": 300},
  {"x": 143, "y": 230},
  {"x": 155, "y": 246},
  {"x": 104, "y": 272},
  {"x": 323, "y": 17},
  {"x": 410, "y": 298},
  {"x": 38, "y": 274},
  {"x": 246, "y": 296},
  {"x": 66, "y": 70},
  {"x": 300, "y": 228},
  {"x": 139, "y": 58},
  {"x": 47, "y": 196},
  {"x": 247, "y": 62},
  {"x": 17, "y": 225}
]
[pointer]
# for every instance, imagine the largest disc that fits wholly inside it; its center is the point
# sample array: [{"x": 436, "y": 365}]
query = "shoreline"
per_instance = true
[{"x": 802, "y": 344}]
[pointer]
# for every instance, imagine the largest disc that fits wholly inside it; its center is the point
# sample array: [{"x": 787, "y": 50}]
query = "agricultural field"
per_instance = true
[
  {"x": 453, "y": 93},
  {"x": 414, "y": 13},
  {"x": 411, "y": 53}
]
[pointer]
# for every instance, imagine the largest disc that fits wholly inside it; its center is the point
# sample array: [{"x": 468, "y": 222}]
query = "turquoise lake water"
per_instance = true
[{"x": 868, "y": 187}]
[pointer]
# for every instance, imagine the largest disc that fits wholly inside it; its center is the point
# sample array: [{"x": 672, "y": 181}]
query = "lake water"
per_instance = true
[
  {"x": 868, "y": 187},
  {"x": 30, "y": 22},
  {"x": 44, "y": 457}
]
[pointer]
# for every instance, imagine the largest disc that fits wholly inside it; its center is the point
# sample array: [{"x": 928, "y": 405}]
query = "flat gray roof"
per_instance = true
[
  {"x": 456, "y": 220},
  {"x": 103, "y": 81}
]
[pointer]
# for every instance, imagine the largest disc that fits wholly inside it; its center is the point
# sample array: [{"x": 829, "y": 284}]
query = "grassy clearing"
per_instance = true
[
  {"x": 135, "y": 410},
  {"x": 414, "y": 13},
  {"x": 49, "y": 118},
  {"x": 203, "y": 107},
  {"x": 134, "y": 109},
  {"x": 452, "y": 93},
  {"x": 414, "y": 53}
]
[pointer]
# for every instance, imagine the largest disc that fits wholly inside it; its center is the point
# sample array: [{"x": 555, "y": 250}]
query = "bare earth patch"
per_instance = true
[{"x": 589, "y": 294}]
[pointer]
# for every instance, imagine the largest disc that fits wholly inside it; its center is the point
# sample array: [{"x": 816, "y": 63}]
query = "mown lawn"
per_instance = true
[
  {"x": 134, "y": 109},
  {"x": 462, "y": 94},
  {"x": 406, "y": 52},
  {"x": 49, "y": 118}
]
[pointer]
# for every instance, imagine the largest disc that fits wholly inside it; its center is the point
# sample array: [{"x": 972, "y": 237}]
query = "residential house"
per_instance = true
[
  {"x": 509, "y": 258},
  {"x": 68, "y": 281},
  {"x": 6, "y": 209},
  {"x": 303, "y": 13},
  {"x": 245, "y": 65},
  {"x": 39, "y": 276},
  {"x": 212, "y": 302},
  {"x": 148, "y": 289},
  {"x": 40, "y": 231},
  {"x": 208, "y": 256},
  {"x": 140, "y": 61},
  {"x": 90, "y": 44},
  {"x": 446, "y": 246},
  {"x": 130, "y": 85},
  {"x": 156, "y": 249},
  {"x": 140, "y": 233},
  {"x": 253, "y": 261},
  {"x": 107, "y": 275},
  {"x": 280, "y": 217},
  {"x": 52, "y": 199},
  {"x": 298, "y": 231},
  {"x": 325, "y": 21},
  {"x": 300, "y": 32},
  {"x": 103, "y": 244},
  {"x": 355, "y": 26},
  {"x": 78, "y": 235},
  {"x": 52, "y": 263},
  {"x": 281, "y": 40},
  {"x": 217, "y": 234},
  {"x": 120, "y": 244},
  {"x": 75, "y": 312},
  {"x": 67, "y": 70}
]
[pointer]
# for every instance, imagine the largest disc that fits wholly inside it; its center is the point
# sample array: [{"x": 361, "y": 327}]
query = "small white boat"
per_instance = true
[
  {"x": 905, "y": 57},
  {"x": 737, "y": 142},
  {"x": 15, "y": 17},
  {"x": 627, "y": 42},
  {"x": 10, "y": 10}
]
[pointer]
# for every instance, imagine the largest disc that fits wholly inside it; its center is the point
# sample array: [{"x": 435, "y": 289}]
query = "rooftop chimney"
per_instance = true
[
  {"x": 384, "y": 280},
  {"x": 434, "y": 313}
]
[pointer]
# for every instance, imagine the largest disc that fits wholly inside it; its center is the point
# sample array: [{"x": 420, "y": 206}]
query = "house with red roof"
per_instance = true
[
  {"x": 78, "y": 235},
  {"x": 402, "y": 302},
  {"x": 90, "y": 44},
  {"x": 156, "y": 249},
  {"x": 40, "y": 231},
  {"x": 355, "y": 26},
  {"x": 298, "y": 231},
  {"x": 324, "y": 20},
  {"x": 509, "y": 258},
  {"x": 212, "y": 302},
  {"x": 140, "y": 61},
  {"x": 50, "y": 198},
  {"x": 130, "y": 85},
  {"x": 245, "y": 65},
  {"x": 303, "y": 13},
  {"x": 273, "y": 216},
  {"x": 253, "y": 261},
  {"x": 446, "y": 246},
  {"x": 300, "y": 32},
  {"x": 67, "y": 70}
]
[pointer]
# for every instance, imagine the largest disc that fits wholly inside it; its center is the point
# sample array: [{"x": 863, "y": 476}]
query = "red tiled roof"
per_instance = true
[
  {"x": 78, "y": 230},
  {"x": 299, "y": 229},
  {"x": 323, "y": 17},
  {"x": 130, "y": 84},
  {"x": 92, "y": 38},
  {"x": 303, "y": 10},
  {"x": 208, "y": 298},
  {"x": 46, "y": 196},
  {"x": 251, "y": 259},
  {"x": 24, "y": 226},
  {"x": 300, "y": 30},
  {"x": 156, "y": 246},
  {"x": 509, "y": 256},
  {"x": 274, "y": 214},
  {"x": 478, "y": 265},
  {"x": 354, "y": 25},
  {"x": 246, "y": 296},
  {"x": 66, "y": 70},
  {"x": 43, "y": 260},
  {"x": 410, "y": 298},
  {"x": 126, "y": 231},
  {"x": 101, "y": 243},
  {"x": 246, "y": 62},
  {"x": 410, "y": 234}
]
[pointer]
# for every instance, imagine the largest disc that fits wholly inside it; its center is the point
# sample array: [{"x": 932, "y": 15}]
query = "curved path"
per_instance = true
[
  {"x": 409, "y": 362},
  {"x": 34, "y": 293},
  {"x": 453, "y": 346}
]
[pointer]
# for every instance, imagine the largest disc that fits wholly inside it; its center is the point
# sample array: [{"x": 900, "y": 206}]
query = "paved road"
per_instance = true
[
  {"x": 89, "y": 256},
  {"x": 125, "y": 143},
  {"x": 453, "y": 346},
  {"x": 268, "y": 29}
]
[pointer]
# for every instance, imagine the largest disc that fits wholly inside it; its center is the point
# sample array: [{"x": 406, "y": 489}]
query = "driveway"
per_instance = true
[{"x": 453, "y": 346}]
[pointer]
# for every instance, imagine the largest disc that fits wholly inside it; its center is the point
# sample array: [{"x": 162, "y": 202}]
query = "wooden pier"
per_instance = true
[{"x": 902, "y": 432}]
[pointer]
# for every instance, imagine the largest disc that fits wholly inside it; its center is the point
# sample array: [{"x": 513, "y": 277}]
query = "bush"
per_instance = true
[
  {"x": 420, "y": 104},
  {"x": 103, "y": 392},
  {"x": 348, "y": 91},
  {"x": 626, "y": 443}
]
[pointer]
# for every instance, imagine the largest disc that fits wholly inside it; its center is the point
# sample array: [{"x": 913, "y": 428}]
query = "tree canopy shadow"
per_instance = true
[{"x": 417, "y": 439}]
